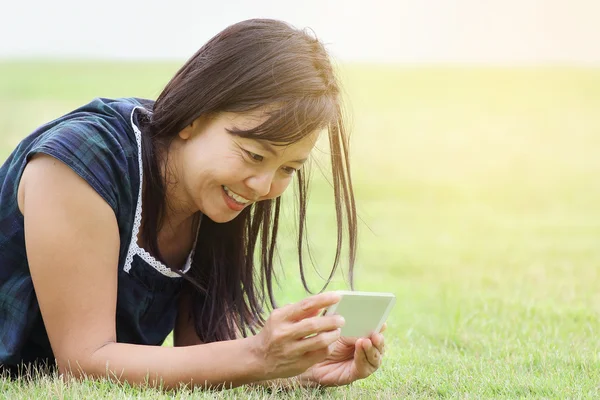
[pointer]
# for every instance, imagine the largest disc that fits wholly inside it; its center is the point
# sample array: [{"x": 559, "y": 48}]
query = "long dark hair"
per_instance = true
[{"x": 249, "y": 65}]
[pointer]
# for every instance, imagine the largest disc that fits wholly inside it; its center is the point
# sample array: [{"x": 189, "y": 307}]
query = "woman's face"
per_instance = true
[{"x": 220, "y": 173}]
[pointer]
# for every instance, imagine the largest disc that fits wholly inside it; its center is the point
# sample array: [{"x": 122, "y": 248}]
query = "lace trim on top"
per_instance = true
[{"x": 134, "y": 248}]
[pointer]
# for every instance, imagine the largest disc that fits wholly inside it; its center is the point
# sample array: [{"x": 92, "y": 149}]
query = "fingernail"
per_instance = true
[{"x": 340, "y": 320}]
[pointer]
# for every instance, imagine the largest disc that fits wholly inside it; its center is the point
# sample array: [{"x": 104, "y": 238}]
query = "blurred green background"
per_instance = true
[{"x": 478, "y": 192}]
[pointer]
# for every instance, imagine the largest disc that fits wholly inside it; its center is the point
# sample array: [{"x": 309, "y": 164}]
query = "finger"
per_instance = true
[
  {"x": 311, "y": 305},
  {"x": 383, "y": 327},
  {"x": 379, "y": 342},
  {"x": 363, "y": 367},
  {"x": 317, "y": 342},
  {"x": 312, "y": 357},
  {"x": 315, "y": 325},
  {"x": 372, "y": 353}
]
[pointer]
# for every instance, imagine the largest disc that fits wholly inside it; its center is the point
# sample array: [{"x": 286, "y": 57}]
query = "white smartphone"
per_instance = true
[{"x": 364, "y": 312}]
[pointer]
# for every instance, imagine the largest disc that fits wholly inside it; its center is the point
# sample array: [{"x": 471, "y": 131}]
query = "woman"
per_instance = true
[{"x": 127, "y": 219}]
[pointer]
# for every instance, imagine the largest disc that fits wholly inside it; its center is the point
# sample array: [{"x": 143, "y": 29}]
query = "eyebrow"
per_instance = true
[{"x": 269, "y": 148}]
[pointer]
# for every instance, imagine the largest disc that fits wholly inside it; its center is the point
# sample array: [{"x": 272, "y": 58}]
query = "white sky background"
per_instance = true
[{"x": 409, "y": 31}]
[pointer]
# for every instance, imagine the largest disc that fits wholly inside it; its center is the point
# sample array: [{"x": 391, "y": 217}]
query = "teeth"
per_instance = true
[{"x": 236, "y": 197}]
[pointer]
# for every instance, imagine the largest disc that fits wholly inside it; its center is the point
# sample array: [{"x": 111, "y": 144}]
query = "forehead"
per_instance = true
[{"x": 245, "y": 121}]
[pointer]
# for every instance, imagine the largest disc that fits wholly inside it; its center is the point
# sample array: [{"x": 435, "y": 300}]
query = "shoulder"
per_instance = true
[
  {"x": 110, "y": 123},
  {"x": 100, "y": 141}
]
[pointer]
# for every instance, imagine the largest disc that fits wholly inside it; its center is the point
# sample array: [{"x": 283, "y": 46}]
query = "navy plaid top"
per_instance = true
[{"x": 101, "y": 142}]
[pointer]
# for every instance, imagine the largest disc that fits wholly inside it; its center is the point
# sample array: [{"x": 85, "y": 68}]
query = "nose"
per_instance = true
[{"x": 261, "y": 183}]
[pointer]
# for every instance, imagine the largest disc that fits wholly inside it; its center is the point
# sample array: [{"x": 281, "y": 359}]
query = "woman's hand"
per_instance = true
[
  {"x": 295, "y": 338},
  {"x": 350, "y": 360}
]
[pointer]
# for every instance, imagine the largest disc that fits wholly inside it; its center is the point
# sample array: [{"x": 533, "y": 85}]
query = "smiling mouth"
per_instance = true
[{"x": 235, "y": 197}]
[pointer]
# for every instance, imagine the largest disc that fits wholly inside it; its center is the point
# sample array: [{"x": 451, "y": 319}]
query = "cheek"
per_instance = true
[{"x": 278, "y": 187}]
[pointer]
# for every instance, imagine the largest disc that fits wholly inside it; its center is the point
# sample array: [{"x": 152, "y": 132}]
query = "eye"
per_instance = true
[
  {"x": 254, "y": 156},
  {"x": 289, "y": 170}
]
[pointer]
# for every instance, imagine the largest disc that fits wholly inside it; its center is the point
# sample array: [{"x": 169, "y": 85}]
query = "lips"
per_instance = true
[{"x": 236, "y": 197}]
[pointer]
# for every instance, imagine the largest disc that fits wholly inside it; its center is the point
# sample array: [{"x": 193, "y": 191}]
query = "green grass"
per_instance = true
[{"x": 479, "y": 193}]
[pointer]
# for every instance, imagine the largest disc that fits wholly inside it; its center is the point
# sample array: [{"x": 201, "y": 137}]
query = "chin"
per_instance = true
[{"x": 222, "y": 218}]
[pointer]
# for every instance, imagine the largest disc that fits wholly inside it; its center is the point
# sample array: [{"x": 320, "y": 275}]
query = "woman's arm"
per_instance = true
[
  {"x": 72, "y": 244},
  {"x": 72, "y": 247},
  {"x": 185, "y": 335}
]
